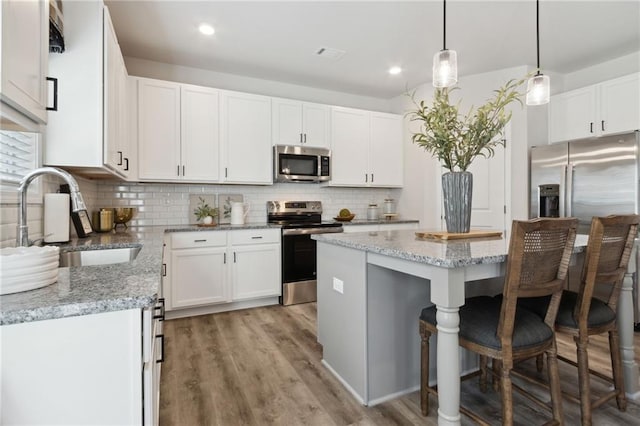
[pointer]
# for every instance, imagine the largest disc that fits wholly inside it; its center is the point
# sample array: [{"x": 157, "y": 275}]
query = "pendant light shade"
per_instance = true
[
  {"x": 538, "y": 86},
  {"x": 445, "y": 68},
  {"x": 538, "y": 90},
  {"x": 445, "y": 62}
]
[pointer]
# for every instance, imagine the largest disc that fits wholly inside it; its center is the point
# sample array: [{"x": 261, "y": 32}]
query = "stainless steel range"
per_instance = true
[{"x": 299, "y": 220}]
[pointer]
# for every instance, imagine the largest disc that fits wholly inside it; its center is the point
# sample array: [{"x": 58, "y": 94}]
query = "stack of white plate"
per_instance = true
[{"x": 27, "y": 268}]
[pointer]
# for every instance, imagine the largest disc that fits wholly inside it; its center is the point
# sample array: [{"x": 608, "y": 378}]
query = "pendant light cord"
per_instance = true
[
  {"x": 444, "y": 25},
  {"x": 538, "y": 34}
]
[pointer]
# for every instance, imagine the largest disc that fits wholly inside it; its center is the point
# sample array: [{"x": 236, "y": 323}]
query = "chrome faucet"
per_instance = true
[{"x": 77, "y": 203}]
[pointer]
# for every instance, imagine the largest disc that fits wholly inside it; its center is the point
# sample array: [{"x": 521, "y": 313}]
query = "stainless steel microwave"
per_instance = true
[{"x": 301, "y": 164}]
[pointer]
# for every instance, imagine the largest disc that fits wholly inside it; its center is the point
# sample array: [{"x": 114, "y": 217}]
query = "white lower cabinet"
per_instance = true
[
  {"x": 256, "y": 264},
  {"x": 85, "y": 370},
  {"x": 217, "y": 267}
]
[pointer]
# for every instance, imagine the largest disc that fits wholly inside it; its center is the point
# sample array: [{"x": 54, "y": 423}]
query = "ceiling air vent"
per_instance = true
[{"x": 330, "y": 53}]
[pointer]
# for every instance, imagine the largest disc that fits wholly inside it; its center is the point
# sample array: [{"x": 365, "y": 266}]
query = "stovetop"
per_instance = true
[{"x": 298, "y": 214}]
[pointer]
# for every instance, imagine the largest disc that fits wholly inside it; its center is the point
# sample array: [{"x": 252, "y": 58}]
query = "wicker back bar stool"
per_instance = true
[
  {"x": 537, "y": 264},
  {"x": 582, "y": 315}
]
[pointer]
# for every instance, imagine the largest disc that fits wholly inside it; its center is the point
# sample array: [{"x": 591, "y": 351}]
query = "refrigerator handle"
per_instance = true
[
  {"x": 569, "y": 190},
  {"x": 562, "y": 189}
]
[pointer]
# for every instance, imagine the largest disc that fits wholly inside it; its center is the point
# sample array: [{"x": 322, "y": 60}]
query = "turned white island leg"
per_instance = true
[
  {"x": 625, "y": 330},
  {"x": 447, "y": 293}
]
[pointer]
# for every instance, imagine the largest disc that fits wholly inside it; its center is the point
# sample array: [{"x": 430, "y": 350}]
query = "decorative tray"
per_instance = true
[
  {"x": 345, "y": 218},
  {"x": 444, "y": 235},
  {"x": 210, "y": 225}
]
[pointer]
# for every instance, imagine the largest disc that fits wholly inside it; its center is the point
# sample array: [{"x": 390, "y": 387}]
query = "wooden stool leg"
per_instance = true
[
  {"x": 539, "y": 363},
  {"x": 483, "y": 373},
  {"x": 554, "y": 385},
  {"x": 583, "y": 379},
  {"x": 616, "y": 367},
  {"x": 424, "y": 372},
  {"x": 495, "y": 365},
  {"x": 507, "y": 396}
]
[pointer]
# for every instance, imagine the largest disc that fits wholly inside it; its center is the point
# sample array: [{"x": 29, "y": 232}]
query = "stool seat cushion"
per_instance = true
[
  {"x": 599, "y": 313},
  {"x": 479, "y": 318}
]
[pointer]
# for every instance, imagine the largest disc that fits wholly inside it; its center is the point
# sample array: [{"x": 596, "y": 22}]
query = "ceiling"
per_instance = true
[{"x": 278, "y": 40}]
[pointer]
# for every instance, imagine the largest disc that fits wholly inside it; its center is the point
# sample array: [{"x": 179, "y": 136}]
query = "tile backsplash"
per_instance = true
[{"x": 168, "y": 204}]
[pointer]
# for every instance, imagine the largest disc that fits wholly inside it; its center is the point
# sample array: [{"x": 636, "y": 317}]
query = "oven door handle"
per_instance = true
[{"x": 307, "y": 231}]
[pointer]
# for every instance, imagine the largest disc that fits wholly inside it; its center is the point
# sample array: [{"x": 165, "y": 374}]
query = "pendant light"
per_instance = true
[
  {"x": 445, "y": 62},
  {"x": 538, "y": 85}
]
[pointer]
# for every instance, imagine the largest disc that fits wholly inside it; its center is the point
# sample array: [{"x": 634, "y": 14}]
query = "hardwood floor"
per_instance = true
[{"x": 262, "y": 366}]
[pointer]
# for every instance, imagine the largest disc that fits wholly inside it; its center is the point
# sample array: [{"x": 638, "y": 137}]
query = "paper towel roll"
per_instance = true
[{"x": 56, "y": 218}]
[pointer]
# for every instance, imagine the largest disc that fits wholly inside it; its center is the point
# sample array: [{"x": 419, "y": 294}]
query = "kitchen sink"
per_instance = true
[{"x": 98, "y": 257}]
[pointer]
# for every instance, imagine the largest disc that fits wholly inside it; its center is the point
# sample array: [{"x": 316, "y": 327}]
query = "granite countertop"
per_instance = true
[
  {"x": 382, "y": 221},
  {"x": 448, "y": 254},
  {"x": 88, "y": 290}
]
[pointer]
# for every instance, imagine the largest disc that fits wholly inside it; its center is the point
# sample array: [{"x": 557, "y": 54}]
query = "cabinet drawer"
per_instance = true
[
  {"x": 255, "y": 236},
  {"x": 198, "y": 239}
]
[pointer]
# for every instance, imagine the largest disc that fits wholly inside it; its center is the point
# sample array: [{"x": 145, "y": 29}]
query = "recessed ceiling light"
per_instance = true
[
  {"x": 395, "y": 70},
  {"x": 206, "y": 29}
]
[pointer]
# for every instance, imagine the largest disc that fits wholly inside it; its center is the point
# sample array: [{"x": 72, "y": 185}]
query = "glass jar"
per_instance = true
[
  {"x": 373, "y": 212},
  {"x": 389, "y": 206}
]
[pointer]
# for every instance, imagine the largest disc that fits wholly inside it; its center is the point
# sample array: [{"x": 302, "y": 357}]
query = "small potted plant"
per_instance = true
[{"x": 205, "y": 213}]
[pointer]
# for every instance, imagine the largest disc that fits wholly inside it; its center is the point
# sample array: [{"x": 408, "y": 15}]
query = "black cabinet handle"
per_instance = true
[
  {"x": 234, "y": 257},
  {"x": 126, "y": 164},
  {"x": 119, "y": 158},
  {"x": 591, "y": 127},
  {"x": 371, "y": 177},
  {"x": 183, "y": 170},
  {"x": 366, "y": 178},
  {"x": 225, "y": 172},
  {"x": 602, "y": 125},
  {"x": 55, "y": 94},
  {"x": 301, "y": 138},
  {"x": 159, "y": 316},
  {"x": 256, "y": 238},
  {"x": 200, "y": 241},
  {"x": 164, "y": 269},
  {"x": 178, "y": 170},
  {"x": 305, "y": 138},
  {"x": 224, "y": 259},
  {"x": 161, "y": 336}
]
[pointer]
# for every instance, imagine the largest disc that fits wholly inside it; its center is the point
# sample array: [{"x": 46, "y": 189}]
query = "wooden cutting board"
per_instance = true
[{"x": 444, "y": 235}]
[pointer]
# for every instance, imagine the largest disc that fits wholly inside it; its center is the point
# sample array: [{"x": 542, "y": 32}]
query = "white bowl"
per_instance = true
[{"x": 27, "y": 268}]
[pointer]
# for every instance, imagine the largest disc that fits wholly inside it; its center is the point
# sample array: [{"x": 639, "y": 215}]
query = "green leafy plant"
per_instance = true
[
  {"x": 456, "y": 139},
  {"x": 203, "y": 210}
]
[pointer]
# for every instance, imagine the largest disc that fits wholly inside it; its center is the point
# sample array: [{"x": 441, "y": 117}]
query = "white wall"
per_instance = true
[
  {"x": 181, "y": 74},
  {"x": 608, "y": 70}
]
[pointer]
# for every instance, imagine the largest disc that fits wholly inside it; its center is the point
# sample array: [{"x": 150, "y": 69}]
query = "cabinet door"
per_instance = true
[
  {"x": 315, "y": 125},
  {"x": 287, "y": 122},
  {"x": 620, "y": 105},
  {"x": 114, "y": 99},
  {"x": 572, "y": 115},
  {"x": 200, "y": 142},
  {"x": 198, "y": 277},
  {"x": 385, "y": 150},
  {"x": 256, "y": 271},
  {"x": 25, "y": 49},
  {"x": 246, "y": 138},
  {"x": 158, "y": 130},
  {"x": 349, "y": 147}
]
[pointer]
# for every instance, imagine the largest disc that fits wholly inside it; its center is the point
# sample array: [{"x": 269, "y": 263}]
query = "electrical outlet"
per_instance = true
[{"x": 338, "y": 285}]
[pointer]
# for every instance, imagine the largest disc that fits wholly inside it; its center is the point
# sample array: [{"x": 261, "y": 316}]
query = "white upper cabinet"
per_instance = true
[
  {"x": 178, "y": 132},
  {"x": 25, "y": 49},
  {"x": 366, "y": 148},
  {"x": 385, "y": 150},
  {"x": 246, "y": 138},
  {"x": 89, "y": 129},
  {"x": 620, "y": 104},
  {"x": 300, "y": 123},
  {"x": 200, "y": 134},
  {"x": 601, "y": 109},
  {"x": 158, "y": 130}
]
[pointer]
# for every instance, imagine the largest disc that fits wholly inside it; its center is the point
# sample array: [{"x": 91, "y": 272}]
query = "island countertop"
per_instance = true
[{"x": 404, "y": 244}]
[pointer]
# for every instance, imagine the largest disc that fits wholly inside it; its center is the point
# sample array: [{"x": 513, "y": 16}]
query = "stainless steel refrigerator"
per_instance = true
[{"x": 586, "y": 178}]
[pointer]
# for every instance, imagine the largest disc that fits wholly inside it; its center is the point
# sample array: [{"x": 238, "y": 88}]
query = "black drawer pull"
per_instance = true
[
  {"x": 161, "y": 336},
  {"x": 159, "y": 316},
  {"x": 200, "y": 241},
  {"x": 256, "y": 238}
]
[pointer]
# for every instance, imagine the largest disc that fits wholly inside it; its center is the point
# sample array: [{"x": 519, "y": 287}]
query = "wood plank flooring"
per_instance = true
[{"x": 263, "y": 366}]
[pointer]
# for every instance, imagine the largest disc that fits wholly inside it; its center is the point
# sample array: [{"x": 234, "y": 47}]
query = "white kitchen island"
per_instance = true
[{"x": 371, "y": 289}]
